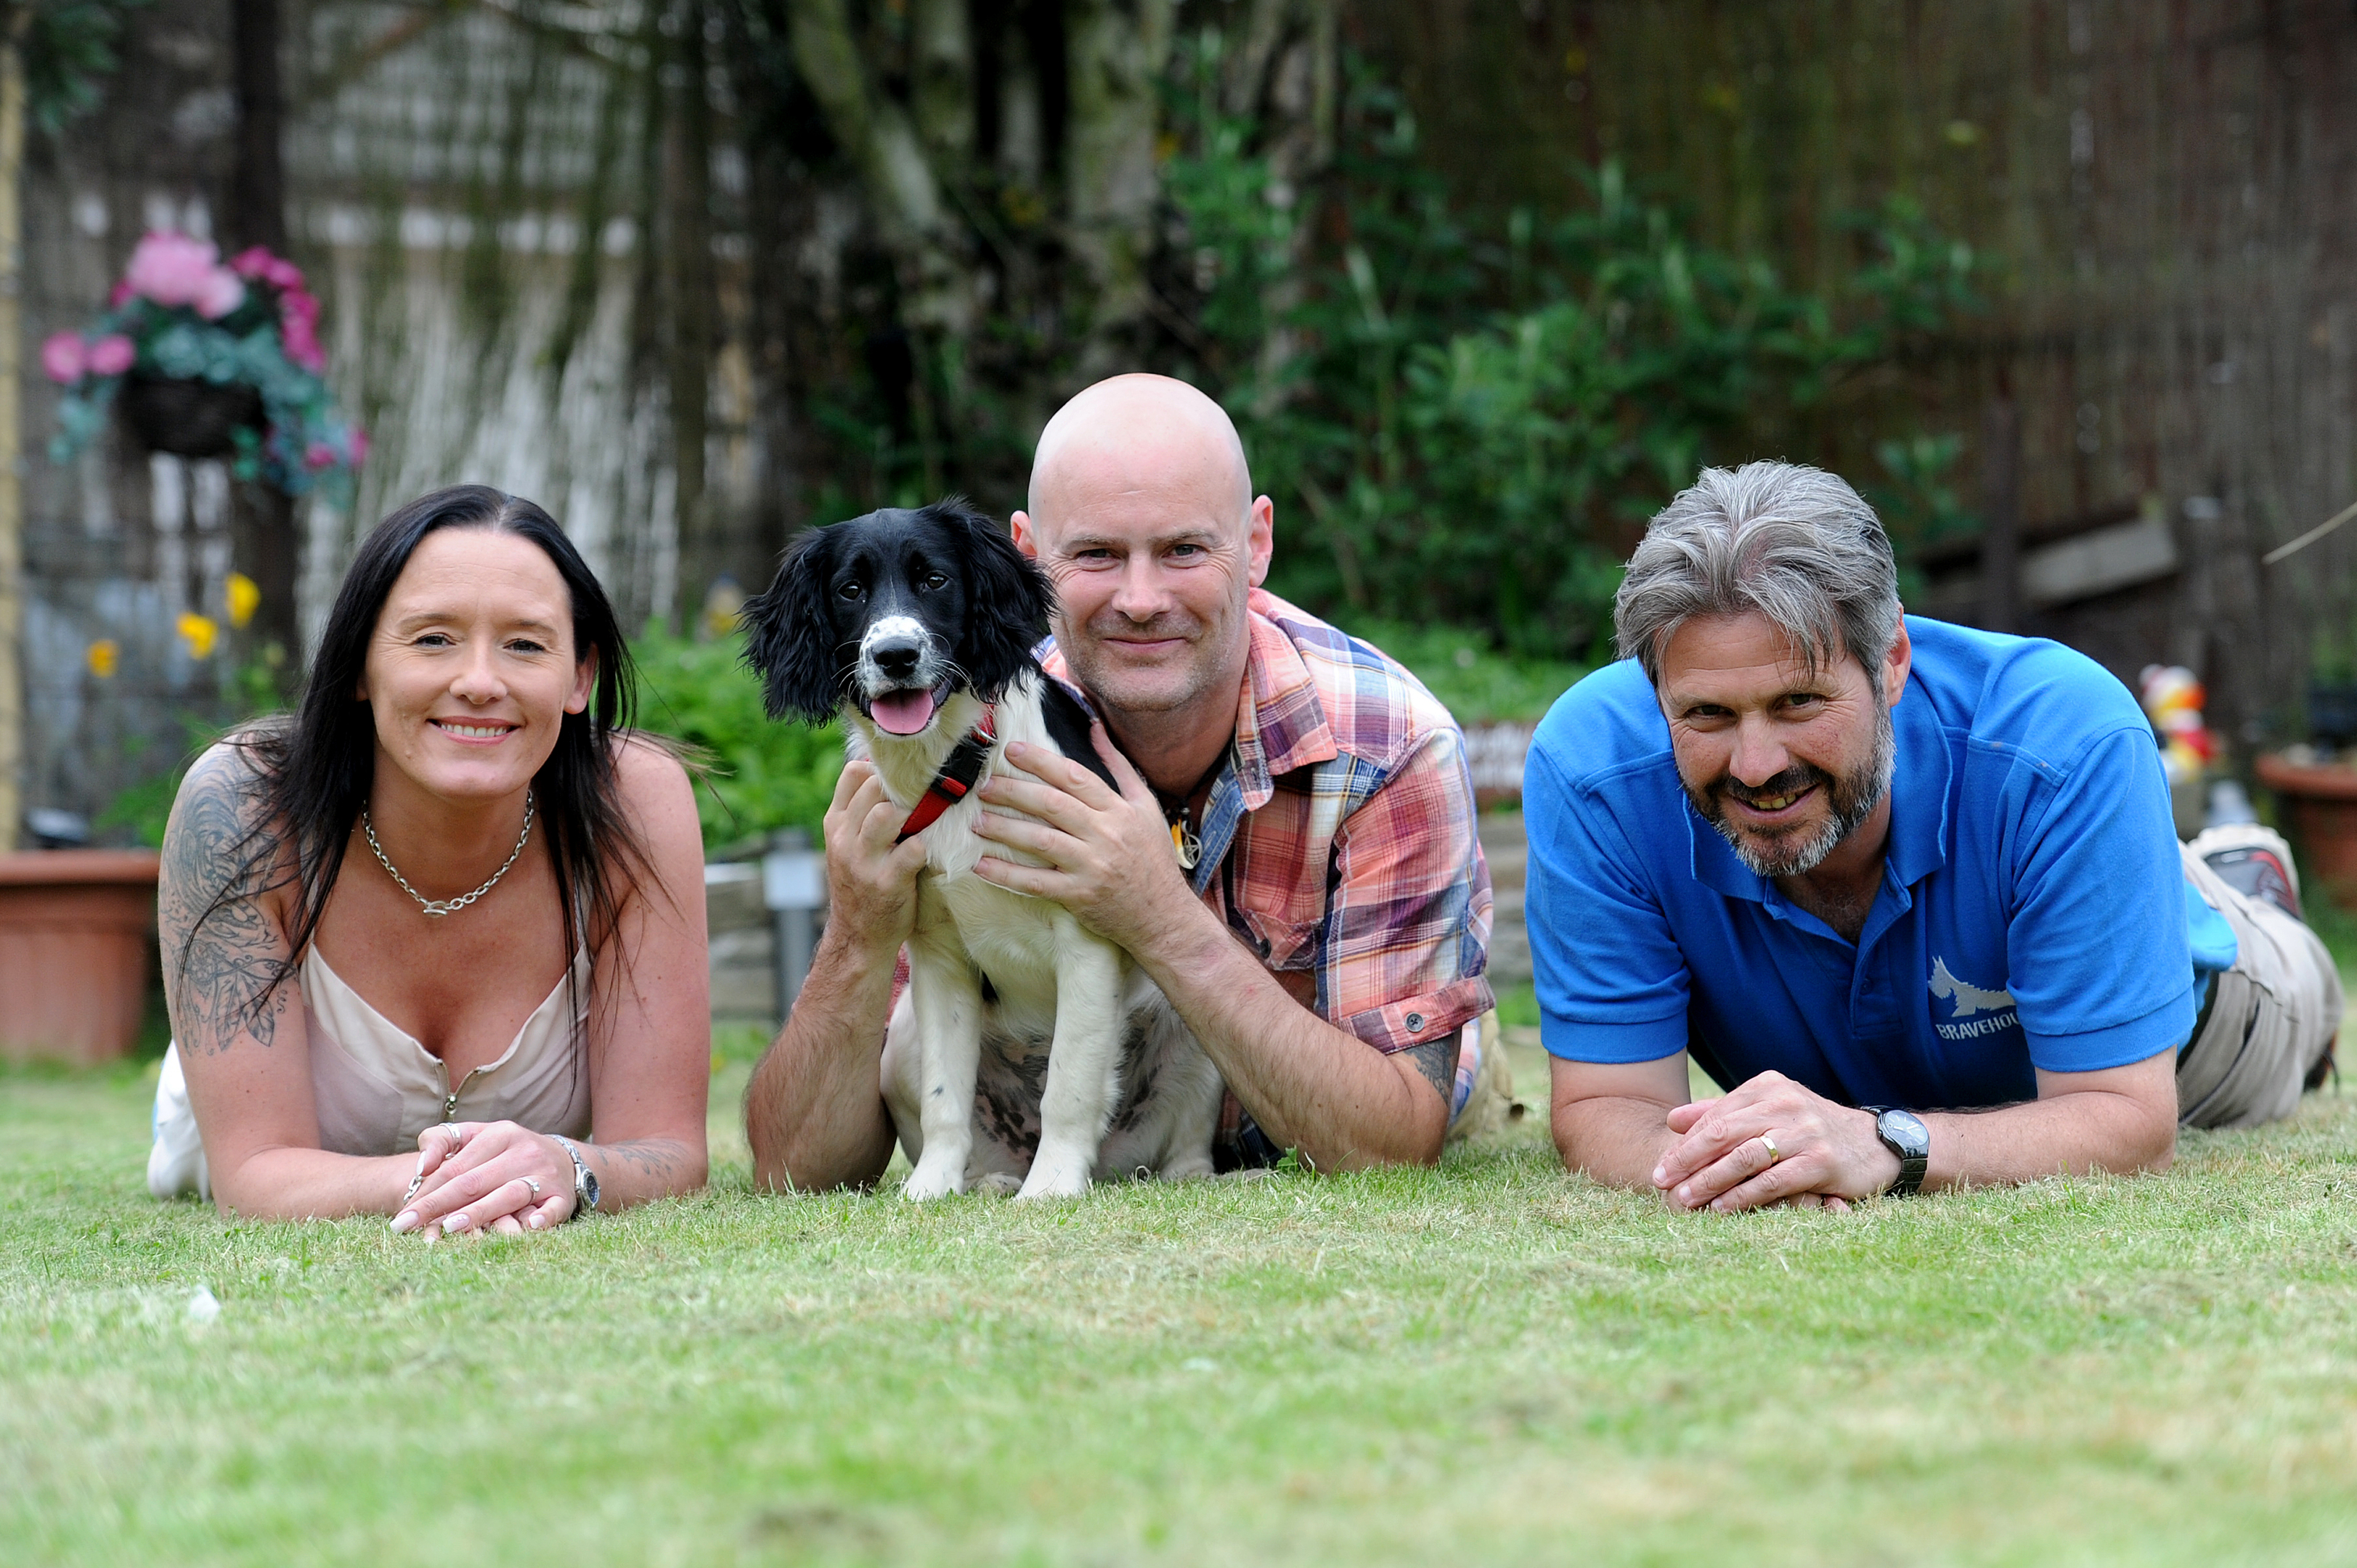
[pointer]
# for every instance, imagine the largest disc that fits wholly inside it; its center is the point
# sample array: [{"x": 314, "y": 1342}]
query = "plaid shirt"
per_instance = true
[{"x": 1339, "y": 840}]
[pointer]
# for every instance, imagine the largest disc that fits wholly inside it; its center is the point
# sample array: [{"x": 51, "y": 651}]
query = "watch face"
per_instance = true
[
  {"x": 1906, "y": 1129},
  {"x": 589, "y": 1186}
]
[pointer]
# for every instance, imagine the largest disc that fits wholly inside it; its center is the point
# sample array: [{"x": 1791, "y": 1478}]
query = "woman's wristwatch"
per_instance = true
[{"x": 585, "y": 1180}]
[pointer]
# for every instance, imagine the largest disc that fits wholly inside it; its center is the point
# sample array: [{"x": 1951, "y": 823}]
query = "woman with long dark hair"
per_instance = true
[{"x": 433, "y": 945}]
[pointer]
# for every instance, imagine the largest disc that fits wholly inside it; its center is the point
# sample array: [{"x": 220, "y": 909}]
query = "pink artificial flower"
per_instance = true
[
  {"x": 318, "y": 455},
  {"x": 173, "y": 269},
  {"x": 63, "y": 358},
  {"x": 299, "y": 301},
  {"x": 111, "y": 355},
  {"x": 223, "y": 292},
  {"x": 120, "y": 294},
  {"x": 301, "y": 344},
  {"x": 259, "y": 263}
]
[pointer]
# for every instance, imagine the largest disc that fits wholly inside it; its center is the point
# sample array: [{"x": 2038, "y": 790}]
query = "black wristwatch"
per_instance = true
[
  {"x": 1904, "y": 1135},
  {"x": 585, "y": 1180}
]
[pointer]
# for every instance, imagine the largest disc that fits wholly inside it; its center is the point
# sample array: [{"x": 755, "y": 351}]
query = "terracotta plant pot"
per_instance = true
[
  {"x": 188, "y": 418},
  {"x": 2321, "y": 804},
  {"x": 74, "y": 934}
]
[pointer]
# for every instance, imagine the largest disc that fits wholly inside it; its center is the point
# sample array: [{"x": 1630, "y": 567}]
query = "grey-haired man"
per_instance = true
[{"x": 1909, "y": 890}]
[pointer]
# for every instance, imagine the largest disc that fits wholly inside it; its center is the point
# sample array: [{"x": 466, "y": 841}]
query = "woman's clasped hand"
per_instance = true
[{"x": 478, "y": 1179}]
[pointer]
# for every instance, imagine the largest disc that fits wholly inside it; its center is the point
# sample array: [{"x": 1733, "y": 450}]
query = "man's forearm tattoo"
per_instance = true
[
  {"x": 220, "y": 955},
  {"x": 1437, "y": 1059}
]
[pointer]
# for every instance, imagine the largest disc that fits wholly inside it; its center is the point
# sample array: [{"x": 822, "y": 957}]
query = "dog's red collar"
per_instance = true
[{"x": 956, "y": 778}]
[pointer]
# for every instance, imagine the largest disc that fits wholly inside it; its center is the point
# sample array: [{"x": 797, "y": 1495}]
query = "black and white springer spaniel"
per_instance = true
[{"x": 917, "y": 628}]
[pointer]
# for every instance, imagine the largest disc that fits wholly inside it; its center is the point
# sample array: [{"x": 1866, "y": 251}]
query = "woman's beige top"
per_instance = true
[{"x": 376, "y": 1088}]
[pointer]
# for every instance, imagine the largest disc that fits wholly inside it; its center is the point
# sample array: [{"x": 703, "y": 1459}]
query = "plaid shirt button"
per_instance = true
[{"x": 1414, "y": 1022}]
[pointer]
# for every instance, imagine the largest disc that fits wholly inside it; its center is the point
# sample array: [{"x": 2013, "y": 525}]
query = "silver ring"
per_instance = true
[
  {"x": 531, "y": 1184},
  {"x": 457, "y": 1139},
  {"x": 1775, "y": 1155}
]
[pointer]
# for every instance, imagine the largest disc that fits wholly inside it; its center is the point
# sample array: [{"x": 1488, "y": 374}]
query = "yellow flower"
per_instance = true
[
  {"x": 200, "y": 632},
  {"x": 244, "y": 597},
  {"x": 104, "y": 655}
]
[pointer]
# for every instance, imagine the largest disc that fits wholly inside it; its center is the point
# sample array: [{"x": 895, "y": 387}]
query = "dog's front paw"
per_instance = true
[
  {"x": 999, "y": 1183},
  {"x": 934, "y": 1178},
  {"x": 1055, "y": 1176}
]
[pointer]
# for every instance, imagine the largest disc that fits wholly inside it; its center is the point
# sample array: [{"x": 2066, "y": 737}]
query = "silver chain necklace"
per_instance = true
[{"x": 437, "y": 907}]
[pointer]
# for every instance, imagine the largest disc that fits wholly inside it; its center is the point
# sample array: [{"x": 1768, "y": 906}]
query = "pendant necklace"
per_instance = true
[
  {"x": 1185, "y": 843},
  {"x": 1188, "y": 848},
  {"x": 437, "y": 907}
]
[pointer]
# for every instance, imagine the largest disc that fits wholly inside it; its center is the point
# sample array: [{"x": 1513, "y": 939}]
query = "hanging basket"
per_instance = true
[{"x": 188, "y": 418}]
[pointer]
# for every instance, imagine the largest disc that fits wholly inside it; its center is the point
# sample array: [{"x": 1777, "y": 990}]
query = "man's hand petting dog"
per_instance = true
[
  {"x": 871, "y": 881},
  {"x": 1109, "y": 857},
  {"x": 1826, "y": 1156},
  {"x": 481, "y": 1178}
]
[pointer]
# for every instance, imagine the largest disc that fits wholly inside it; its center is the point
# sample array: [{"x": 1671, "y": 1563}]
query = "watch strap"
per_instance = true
[
  {"x": 585, "y": 1180},
  {"x": 1913, "y": 1163}
]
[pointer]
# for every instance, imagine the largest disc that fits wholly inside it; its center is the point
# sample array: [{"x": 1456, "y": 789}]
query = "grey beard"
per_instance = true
[{"x": 1854, "y": 797}]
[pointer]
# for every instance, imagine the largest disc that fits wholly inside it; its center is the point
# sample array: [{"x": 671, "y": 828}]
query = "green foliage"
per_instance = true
[
  {"x": 1472, "y": 680},
  {"x": 759, "y": 775},
  {"x": 1518, "y": 1007},
  {"x": 69, "y": 45},
  {"x": 251, "y": 690},
  {"x": 1475, "y": 417},
  {"x": 1919, "y": 503}
]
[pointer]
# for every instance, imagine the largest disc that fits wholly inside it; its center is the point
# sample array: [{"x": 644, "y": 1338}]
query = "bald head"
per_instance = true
[
  {"x": 1142, "y": 515},
  {"x": 1141, "y": 432}
]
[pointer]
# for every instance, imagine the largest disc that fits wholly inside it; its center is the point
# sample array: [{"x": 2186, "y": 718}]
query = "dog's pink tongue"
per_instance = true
[{"x": 901, "y": 712}]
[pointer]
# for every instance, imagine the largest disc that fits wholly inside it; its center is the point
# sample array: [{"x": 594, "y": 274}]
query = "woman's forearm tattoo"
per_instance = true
[{"x": 655, "y": 1157}]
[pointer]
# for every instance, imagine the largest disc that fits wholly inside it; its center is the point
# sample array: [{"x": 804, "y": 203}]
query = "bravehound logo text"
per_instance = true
[{"x": 1977, "y": 1011}]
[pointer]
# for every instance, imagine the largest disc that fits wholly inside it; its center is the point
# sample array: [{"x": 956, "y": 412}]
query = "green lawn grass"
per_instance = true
[{"x": 1492, "y": 1361}]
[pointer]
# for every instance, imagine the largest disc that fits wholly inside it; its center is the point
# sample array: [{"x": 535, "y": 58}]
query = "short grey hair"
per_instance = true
[{"x": 1782, "y": 540}]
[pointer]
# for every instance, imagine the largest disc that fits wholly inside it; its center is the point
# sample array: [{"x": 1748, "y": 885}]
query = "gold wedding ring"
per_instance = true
[{"x": 1768, "y": 1144}]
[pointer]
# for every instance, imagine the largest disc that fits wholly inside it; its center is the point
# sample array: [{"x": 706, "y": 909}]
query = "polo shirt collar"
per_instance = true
[{"x": 1918, "y": 813}]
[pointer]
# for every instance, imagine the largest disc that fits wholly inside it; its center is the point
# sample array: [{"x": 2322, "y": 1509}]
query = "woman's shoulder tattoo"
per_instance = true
[{"x": 222, "y": 954}]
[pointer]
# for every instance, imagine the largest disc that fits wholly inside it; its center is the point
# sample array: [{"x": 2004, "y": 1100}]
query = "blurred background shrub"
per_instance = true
[
  {"x": 757, "y": 776},
  {"x": 1466, "y": 418}
]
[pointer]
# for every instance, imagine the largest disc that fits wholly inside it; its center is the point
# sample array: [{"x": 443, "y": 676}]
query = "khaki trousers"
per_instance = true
[{"x": 2272, "y": 1016}]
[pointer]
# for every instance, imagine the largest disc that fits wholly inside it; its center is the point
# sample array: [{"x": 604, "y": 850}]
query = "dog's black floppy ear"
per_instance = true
[
  {"x": 790, "y": 633},
  {"x": 1010, "y": 598}
]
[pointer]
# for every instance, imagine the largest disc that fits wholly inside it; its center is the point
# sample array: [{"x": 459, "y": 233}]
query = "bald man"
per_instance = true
[{"x": 1324, "y": 925}]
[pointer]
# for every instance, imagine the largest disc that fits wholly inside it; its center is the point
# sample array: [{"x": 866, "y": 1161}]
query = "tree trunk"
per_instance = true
[
  {"x": 688, "y": 145},
  {"x": 1115, "y": 55},
  {"x": 935, "y": 285},
  {"x": 264, "y": 540},
  {"x": 18, "y": 17},
  {"x": 257, "y": 180}
]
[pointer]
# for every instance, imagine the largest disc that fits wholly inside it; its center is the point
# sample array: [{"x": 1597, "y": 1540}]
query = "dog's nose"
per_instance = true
[{"x": 896, "y": 657}]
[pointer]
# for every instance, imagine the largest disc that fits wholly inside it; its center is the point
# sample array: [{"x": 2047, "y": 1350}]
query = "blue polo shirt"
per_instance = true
[{"x": 2033, "y": 911}]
